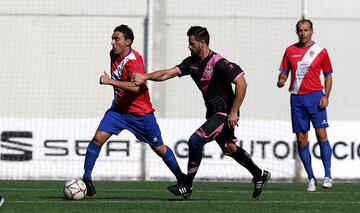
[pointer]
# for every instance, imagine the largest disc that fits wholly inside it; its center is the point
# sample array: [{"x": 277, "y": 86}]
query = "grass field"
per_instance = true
[{"x": 150, "y": 196}]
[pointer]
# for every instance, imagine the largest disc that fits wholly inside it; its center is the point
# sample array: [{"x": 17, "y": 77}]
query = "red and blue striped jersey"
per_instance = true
[
  {"x": 121, "y": 70},
  {"x": 305, "y": 64}
]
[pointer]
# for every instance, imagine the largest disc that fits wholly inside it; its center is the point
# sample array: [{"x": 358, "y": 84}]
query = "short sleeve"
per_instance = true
[
  {"x": 184, "y": 67},
  {"x": 134, "y": 66},
  {"x": 229, "y": 70},
  {"x": 326, "y": 63},
  {"x": 285, "y": 65}
]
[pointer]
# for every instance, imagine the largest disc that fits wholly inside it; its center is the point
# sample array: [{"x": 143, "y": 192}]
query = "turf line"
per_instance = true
[{"x": 189, "y": 202}]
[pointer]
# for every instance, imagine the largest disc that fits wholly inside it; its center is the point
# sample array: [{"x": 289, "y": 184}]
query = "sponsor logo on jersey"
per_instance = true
[
  {"x": 312, "y": 53},
  {"x": 210, "y": 69},
  {"x": 194, "y": 67}
]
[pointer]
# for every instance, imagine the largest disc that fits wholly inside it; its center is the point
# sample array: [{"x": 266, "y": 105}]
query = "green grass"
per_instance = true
[{"x": 137, "y": 196}]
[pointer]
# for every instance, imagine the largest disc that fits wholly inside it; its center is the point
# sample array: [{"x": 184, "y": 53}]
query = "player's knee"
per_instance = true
[
  {"x": 229, "y": 148},
  {"x": 160, "y": 150},
  {"x": 98, "y": 140},
  {"x": 321, "y": 134},
  {"x": 196, "y": 141},
  {"x": 302, "y": 139}
]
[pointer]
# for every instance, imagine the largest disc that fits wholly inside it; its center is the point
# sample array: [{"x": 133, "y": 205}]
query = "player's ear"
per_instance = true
[
  {"x": 203, "y": 43},
  {"x": 128, "y": 42}
]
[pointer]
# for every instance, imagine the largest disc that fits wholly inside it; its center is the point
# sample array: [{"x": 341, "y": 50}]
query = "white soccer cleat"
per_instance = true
[
  {"x": 328, "y": 183},
  {"x": 2, "y": 200},
  {"x": 311, "y": 185}
]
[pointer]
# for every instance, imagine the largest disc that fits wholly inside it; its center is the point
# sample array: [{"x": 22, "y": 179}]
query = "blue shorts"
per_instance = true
[
  {"x": 144, "y": 127},
  {"x": 305, "y": 108}
]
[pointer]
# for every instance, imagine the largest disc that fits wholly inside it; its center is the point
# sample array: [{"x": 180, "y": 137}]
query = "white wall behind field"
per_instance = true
[{"x": 52, "y": 53}]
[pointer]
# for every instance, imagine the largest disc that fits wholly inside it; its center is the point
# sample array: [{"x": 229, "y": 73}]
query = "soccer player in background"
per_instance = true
[
  {"x": 131, "y": 108},
  {"x": 306, "y": 59},
  {"x": 214, "y": 75}
]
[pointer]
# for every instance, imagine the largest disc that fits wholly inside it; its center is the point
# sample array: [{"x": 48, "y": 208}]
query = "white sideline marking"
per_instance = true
[{"x": 197, "y": 191}]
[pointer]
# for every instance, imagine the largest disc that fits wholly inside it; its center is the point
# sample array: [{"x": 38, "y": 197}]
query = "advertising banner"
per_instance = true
[{"x": 55, "y": 149}]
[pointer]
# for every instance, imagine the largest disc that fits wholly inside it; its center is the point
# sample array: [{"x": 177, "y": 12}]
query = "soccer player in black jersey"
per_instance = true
[{"x": 214, "y": 76}]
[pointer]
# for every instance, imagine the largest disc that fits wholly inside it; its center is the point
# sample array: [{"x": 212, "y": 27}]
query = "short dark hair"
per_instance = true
[
  {"x": 126, "y": 31},
  {"x": 200, "y": 33},
  {"x": 302, "y": 21}
]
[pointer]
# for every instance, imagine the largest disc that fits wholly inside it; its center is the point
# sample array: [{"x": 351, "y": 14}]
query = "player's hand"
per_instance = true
[
  {"x": 324, "y": 102},
  {"x": 232, "y": 120},
  {"x": 138, "y": 78},
  {"x": 105, "y": 78},
  {"x": 281, "y": 82}
]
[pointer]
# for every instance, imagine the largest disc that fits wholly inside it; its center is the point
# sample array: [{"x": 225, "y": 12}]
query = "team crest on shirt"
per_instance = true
[
  {"x": 209, "y": 69},
  {"x": 312, "y": 53}
]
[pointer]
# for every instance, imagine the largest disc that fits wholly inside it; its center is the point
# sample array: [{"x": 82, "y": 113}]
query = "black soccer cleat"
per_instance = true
[
  {"x": 181, "y": 189},
  {"x": 260, "y": 182},
  {"x": 90, "y": 189}
]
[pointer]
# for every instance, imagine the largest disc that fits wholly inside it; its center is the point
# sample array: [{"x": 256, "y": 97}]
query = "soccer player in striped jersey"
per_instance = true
[
  {"x": 304, "y": 61},
  {"x": 131, "y": 108},
  {"x": 214, "y": 76}
]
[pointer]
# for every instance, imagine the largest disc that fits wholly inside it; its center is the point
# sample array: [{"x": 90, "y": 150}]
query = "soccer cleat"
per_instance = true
[
  {"x": 311, "y": 185},
  {"x": 259, "y": 183},
  {"x": 2, "y": 200},
  {"x": 328, "y": 183},
  {"x": 181, "y": 189},
  {"x": 90, "y": 189}
]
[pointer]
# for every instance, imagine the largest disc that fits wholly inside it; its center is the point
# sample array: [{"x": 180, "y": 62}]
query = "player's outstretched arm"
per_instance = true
[{"x": 160, "y": 75}]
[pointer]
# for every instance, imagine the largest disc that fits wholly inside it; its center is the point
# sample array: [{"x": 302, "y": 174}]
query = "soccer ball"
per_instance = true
[{"x": 75, "y": 189}]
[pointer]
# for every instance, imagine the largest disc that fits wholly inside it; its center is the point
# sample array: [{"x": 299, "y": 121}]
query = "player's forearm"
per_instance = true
[
  {"x": 328, "y": 85},
  {"x": 125, "y": 85},
  {"x": 162, "y": 75},
  {"x": 240, "y": 92}
]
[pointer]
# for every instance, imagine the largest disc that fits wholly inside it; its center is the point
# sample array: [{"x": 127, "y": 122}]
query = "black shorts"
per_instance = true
[{"x": 216, "y": 128}]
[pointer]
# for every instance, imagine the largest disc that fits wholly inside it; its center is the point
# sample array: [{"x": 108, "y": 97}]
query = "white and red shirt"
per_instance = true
[
  {"x": 306, "y": 64},
  {"x": 121, "y": 70}
]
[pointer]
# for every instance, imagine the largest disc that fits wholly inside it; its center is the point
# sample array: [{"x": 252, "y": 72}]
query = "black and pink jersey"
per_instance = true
[{"x": 213, "y": 76}]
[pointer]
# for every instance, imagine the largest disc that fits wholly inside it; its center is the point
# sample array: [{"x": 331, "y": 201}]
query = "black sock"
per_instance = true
[
  {"x": 195, "y": 157},
  {"x": 196, "y": 144},
  {"x": 243, "y": 158}
]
